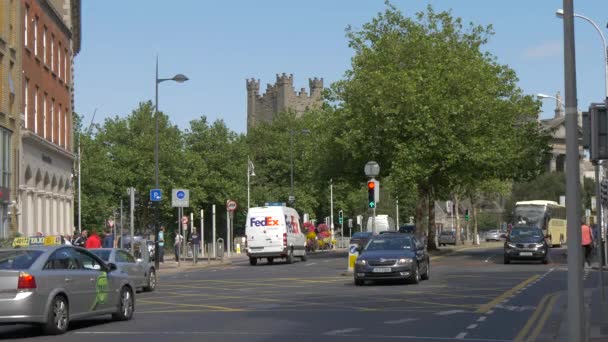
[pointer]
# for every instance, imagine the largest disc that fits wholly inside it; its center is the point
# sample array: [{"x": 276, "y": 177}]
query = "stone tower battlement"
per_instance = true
[{"x": 280, "y": 97}]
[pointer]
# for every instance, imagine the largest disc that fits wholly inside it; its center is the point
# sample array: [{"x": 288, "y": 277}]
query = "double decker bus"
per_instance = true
[{"x": 549, "y": 216}]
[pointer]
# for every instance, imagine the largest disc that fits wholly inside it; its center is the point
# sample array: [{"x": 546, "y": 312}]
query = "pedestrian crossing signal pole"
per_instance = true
[{"x": 372, "y": 169}]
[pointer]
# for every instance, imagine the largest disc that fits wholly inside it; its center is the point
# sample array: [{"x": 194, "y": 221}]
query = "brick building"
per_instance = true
[
  {"x": 10, "y": 112},
  {"x": 51, "y": 39},
  {"x": 279, "y": 98}
]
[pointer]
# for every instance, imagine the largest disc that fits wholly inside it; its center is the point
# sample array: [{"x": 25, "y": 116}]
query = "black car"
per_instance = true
[
  {"x": 526, "y": 243},
  {"x": 360, "y": 238},
  {"x": 392, "y": 256}
]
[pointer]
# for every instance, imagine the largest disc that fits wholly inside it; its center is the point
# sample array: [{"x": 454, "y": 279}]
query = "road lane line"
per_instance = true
[
  {"x": 486, "y": 307},
  {"x": 449, "y": 312},
  {"x": 481, "y": 319},
  {"x": 522, "y": 334},
  {"x": 472, "y": 326},
  {"x": 221, "y": 308},
  {"x": 341, "y": 331},
  {"x": 541, "y": 322},
  {"x": 461, "y": 336},
  {"x": 405, "y": 320},
  {"x": 310, "y": 264}
]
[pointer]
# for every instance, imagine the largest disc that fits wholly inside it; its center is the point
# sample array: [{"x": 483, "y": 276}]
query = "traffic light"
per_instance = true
[
  {"x": 371, "y": 193},
  {"x": 599, "y": 132},
  {"x": 466, "y": 215},
  {"x": 604, "y": 191}
]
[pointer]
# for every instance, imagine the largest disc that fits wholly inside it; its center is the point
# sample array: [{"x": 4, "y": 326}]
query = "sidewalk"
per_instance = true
[{"x": 187, "y": 264}]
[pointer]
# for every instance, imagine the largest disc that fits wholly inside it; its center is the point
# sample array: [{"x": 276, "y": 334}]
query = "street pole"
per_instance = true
[
  {"x": 331, "y": 206},
  {"x": 227, "y": 232},
  {"x": 203, "y": 232},
  {"x": 291, "y": 158},
  {"x": 576, "y": 313},
  {"x": 131, "y": 216},
  {"x": 342, "y": 230},
  {"x": 213, "y": 229},
  {"x": 79, "y": 188},
  {"x": 248, "y": 180},
  {"x": 397, "y": 209},
  {"x": 598, "y": 206},
  {"x": 156, "y": 186},
  {"x": 121, "y": 223}
]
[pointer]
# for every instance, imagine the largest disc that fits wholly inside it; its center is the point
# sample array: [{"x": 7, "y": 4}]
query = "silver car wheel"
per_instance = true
[
  {"x": 60, "y": 314},
  {"x": 126, "y": 303},
  {"x": 152, "y": 280}
]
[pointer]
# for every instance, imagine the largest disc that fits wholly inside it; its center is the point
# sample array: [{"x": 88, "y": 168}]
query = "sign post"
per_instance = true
[
  {"x": 180, "y": 198},
  {"x": 230, "y": 207}
]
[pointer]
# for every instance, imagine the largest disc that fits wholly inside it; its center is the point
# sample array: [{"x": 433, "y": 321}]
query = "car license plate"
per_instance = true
[
  {"x": 525, "y": 253},
  {"x": 382, "y": 270}
]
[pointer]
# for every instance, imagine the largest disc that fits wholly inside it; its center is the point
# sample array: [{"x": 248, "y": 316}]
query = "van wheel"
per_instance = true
[
  {"x": 304, "y": 257},
  {"x": 253, "y": 261},
  {"x": 270, "y": 261},
  {"x": 290, "y": 257}
]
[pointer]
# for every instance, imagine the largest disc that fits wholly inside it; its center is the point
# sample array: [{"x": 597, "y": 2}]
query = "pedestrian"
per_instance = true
[
  {"x": 108, "y": 240},
  {"x": 176, "y": 245},
  {"x": 587, "y": 242},
  {"x": 93, "y": 241},
  {"x": 195, "y": 239},
  {"x": 161, "y": 244},
  {"x": 67, "y": 240},
  {"x": 81, "y": 240}
]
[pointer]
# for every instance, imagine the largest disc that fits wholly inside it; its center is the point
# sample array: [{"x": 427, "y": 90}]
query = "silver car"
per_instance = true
[
  {"x": 447, "y": 237},
  {"x": 51, "y": 286},
  {"x": 493, "y": 235},
  {"x": 141, "y": 271}
]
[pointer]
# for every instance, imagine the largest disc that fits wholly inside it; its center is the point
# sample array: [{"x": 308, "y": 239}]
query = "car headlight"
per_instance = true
[
  {"x": 404, "y": 261},
  {"x": 539, "y": 245},
  {"x": 511, "y": 245},
  {"x": 361, "y": 262}
]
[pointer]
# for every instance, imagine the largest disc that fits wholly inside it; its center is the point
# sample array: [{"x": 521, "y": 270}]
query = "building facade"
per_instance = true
[
  {"x": 51, "y": 39},
  {"x": 280, "y": 97},
  {"x": 10, "y": 113}
]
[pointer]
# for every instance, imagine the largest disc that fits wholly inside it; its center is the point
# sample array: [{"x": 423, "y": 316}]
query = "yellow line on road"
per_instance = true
[
  {"x": 541, "y": 323},
  {"x": 220, "y": 308},
  {"x": 488, "y": 306},
  {"x": 539, "y": 308}
]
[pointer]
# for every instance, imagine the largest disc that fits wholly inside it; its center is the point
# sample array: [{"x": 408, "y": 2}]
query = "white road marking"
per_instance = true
[
  {"x": 481, "y": 319},
  {"x": 461, "y": 336},
  {"x": 490, "y": 312},
  {"x": 488, "y": 259},
  {"x": 341, "y": 331},
  {"x": 449, "y": 312},
  {"x": 326, "y": 260},
  {"x": 472, "y": 326},
  {"x": 310, "y": 264},
  {"x": 405, "y": 320}
]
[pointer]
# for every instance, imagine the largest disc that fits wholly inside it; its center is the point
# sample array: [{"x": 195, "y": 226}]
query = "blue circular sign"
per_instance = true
[{"x": 180, "y": 194}]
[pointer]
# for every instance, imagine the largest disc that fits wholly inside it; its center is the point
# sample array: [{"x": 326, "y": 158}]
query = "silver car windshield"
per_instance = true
[
  {"x": 18, "y": 259},
  {"x": 104, "y": 254},
  {"x": 394, "y": 244}
]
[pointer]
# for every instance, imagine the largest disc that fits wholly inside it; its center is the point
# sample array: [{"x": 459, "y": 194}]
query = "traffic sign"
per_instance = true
[
  {"x": 180, "y": 198},
  {"x": 231, "y": 205},
  {"x": 156, "y": 195}
]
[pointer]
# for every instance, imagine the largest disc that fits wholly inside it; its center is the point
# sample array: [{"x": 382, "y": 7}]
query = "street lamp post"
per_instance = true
[
  {"x": 79, "y": 179},
  {"x": 179, "y": 78},
  {"x": 250, "y": 172},
  {"x": 292, "y": 197}
]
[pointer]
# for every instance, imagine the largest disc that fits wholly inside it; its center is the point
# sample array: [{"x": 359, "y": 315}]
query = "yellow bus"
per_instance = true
[{"x": 549, "y": 216}]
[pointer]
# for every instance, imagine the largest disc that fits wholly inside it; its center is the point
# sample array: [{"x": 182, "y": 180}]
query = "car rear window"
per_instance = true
[
  {"x": 447, "y": 233},
  {"x": 18, "y": 259},
  {"x": 104, "y": 254},
  {"x": 361, "y": 235}
]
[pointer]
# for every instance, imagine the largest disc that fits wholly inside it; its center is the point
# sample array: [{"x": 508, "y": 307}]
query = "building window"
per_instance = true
[
  {"x": 36, "y": 36},
  {"x": 59, "y": 60},
  {"x": 44, "y": 111},
  {"x": 65, "y": 128},
  {"x": 36, "y": 111},
  {"x": 53, "y": 120},
  {"x": 27, "y": 14},
  {"x": 25, "y": 102},
  {"x": 60, "y": 130},
  {"x": 44, "y": 45},
  {"x": 65, "y": 64},
  {"x": 5, "y": 157},
  {"x": 52, "y": 53}
]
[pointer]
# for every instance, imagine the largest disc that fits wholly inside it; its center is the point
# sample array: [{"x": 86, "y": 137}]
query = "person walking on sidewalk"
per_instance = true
[
  {"x": 178, "y": 242},
  {"x": 161, "y": 244},
  {"x": 587, "y": 242}
]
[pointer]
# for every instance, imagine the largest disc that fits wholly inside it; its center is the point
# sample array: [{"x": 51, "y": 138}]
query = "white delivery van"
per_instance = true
[
  {"x": 383, "y": 223},
  {"x": 274, "y": 232}
]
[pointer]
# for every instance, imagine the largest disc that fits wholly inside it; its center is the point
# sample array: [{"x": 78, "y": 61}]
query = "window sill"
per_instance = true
[{"x": 46, "y": 67}]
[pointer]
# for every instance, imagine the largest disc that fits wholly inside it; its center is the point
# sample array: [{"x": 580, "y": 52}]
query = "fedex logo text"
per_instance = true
[{"x": 268, "y": 221}]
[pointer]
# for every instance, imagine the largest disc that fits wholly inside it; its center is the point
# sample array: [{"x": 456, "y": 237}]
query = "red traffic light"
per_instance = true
[{"x": 371, "y": 185}]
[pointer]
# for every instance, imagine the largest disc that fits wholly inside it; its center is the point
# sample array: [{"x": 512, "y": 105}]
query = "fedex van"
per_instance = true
[
  {"x": 274, "y": 232},
  {"x": 384, "y": 223}
]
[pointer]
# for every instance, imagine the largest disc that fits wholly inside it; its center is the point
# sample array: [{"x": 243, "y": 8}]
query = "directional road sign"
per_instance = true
[{"x": 156, "y": 195}]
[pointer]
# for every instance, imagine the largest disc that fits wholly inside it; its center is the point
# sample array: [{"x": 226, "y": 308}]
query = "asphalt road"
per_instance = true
[{"x": 471, "y": 296}]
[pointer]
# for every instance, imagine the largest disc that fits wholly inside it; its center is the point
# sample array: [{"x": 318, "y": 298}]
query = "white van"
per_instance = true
[
  {"x": 274, "y": 232},
  {"x": 383, "y": 223}
]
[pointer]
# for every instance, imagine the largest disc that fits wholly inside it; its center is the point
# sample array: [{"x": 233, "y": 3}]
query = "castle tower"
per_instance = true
[
  {"x": 253, "y": 93},
  {"x": 316, "y": 87},
  {"x": 284, "y": 87}
]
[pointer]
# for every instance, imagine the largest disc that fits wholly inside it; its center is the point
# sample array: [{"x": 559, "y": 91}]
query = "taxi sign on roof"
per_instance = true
[{"x": 35, "y": 241}]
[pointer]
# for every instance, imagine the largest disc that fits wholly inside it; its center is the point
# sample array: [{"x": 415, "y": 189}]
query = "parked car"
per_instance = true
[
  {"x": 493, "y": 235},
  {"x": 407, "y": 228},
  {"x": 447, "y": 237},
  {"x": 141, "y": 271},
  {"x": 360, "y": 238},
  {"x": 49, "y": 286},
  {"x": 526, "y": 243},
  {"x": 392, "y": 256}
]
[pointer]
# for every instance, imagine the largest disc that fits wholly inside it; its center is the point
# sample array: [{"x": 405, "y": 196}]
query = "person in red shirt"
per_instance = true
[
  {"x": 93, "y": 241},
  {"x": 587, "y": 242}
]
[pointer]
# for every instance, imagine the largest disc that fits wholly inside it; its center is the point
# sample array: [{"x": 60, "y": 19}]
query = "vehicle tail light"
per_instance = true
[
  {"x": 284, "y": 239},
  {"x": 26, "y": 281}
]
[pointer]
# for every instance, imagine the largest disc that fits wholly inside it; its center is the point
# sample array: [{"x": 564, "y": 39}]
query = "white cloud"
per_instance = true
[{"x": 545, "y": 49}]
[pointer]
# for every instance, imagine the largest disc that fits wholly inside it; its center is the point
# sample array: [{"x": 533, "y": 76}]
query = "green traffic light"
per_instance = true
[{"x": 372, "y": 204}]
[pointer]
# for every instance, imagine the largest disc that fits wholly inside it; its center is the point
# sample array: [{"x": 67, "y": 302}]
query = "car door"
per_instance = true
[
  {"x": 99, "y": 295},
  {"x": 134, "y": 269},
  {"x": 63, "y": 270},
  {"x": 420, "y": 254}
]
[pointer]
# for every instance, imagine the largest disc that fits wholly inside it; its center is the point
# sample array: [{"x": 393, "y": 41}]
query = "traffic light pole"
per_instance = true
[{"x": 598, "y": 214}]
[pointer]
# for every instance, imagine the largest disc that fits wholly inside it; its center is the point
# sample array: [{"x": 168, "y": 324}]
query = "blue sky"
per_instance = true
[{"x": 219, "y": 44}]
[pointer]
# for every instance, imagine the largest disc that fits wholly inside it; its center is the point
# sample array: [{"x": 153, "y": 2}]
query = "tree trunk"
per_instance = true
[
  {"x": 420, "y": 211},
  {"x": 431, "y": 246}
]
